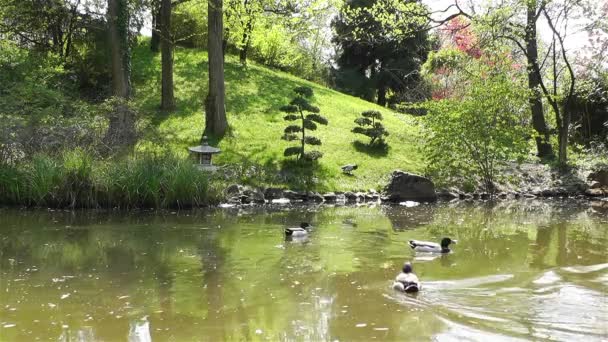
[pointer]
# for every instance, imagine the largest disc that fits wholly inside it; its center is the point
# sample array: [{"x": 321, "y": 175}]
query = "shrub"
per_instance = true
[
  {"x": 472, "y": 136},
  {"x": 296, "y": 110},
  {"x": 369, "y": 125}
]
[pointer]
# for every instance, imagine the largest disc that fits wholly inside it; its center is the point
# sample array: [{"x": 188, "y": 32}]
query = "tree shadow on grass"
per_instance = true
[{"x": 377, "y": 150}]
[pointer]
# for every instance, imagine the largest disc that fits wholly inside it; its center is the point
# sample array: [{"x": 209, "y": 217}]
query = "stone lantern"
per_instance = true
[{"x": 205, "y": 152}]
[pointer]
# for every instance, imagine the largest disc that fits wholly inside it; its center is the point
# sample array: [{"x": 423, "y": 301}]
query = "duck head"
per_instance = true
[
  {"x": 407, "y": 268},
  {"x": 305, "y": 225},
  {"x": 446, "y": 242}
]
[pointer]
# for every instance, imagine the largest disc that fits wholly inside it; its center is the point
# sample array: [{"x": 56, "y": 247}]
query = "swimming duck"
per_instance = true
[
  {"x": 407, "y": 281},
  {"x": 432, "y": 247},
  {"x": 302, "y": 230}
]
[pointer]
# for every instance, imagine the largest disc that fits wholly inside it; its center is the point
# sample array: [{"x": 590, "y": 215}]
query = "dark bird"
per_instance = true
[
  {"x": 407, "y": 281},
  {"x": 349, "y": 168},
  {"x": 302, "y": 230},
  {"x": 431, "y": 247}
]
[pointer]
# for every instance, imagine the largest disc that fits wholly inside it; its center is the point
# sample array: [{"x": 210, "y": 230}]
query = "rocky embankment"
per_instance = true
[{"x": 529, "y": 181}]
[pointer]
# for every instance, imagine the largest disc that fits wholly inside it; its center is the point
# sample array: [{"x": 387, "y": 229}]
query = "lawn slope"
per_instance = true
[{"x": 253, "y": 146}]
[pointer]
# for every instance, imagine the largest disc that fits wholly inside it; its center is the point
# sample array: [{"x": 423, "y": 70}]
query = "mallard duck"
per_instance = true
[
  {"x": 302, "y": 230},
  {"x": 407, "y": 281},
  {"x": 349, "y": 168},
  {"x": 432, "y": 247}
]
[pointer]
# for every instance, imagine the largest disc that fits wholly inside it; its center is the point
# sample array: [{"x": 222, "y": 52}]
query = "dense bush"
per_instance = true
[{"x": 472, "y": 136}]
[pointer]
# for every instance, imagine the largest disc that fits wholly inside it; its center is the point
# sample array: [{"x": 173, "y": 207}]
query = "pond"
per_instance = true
[{"x": 527, "y": 270}]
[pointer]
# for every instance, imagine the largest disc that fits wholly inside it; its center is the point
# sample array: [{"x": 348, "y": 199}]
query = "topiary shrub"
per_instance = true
[
  {"x": 296, "y": 111},
  {"x": 369, "y": 125}
]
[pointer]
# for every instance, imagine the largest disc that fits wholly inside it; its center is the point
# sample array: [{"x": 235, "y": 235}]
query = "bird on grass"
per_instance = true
[
  {"x": 349, "y": 168},
  {"x": 407, "y": 281},
  {"x": 302, "y": 230},
  {"x": 432, "y": 247}
]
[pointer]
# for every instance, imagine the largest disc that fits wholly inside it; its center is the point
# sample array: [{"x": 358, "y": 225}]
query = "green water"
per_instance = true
[{"x": 521, "y": 271}]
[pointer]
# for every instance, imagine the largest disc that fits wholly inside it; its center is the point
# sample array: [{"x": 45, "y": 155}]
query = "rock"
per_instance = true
[
  {"x": 405, "y": 186},
  {"x": 280, "y": 201},
  {"x": 314, "y": 197},
  {"x": 330, "y": 197},
  {"x": 595, "y": 185},
  {"x": 447, "y": 195},
  {"x": 594, "y": 192},
  {"x": 273, "y": 193},
  {"x": 409, "y": 204},
  {"x": 340, "y": 198},
  {"x": 600, "y": 176},
  {"x": 484, "y": 196},
  {"x": 232, "y": 190},
  {"x": 294, "y": 195},
  {"x": 600, "y": 206},
  {"x": 350, "y": 196},
  {"x": 254, "y": 195},
  {"x": 502, "y": 195},
  {"x": 529, "y": 195},
  {"x": 360, "y": 196},
  {"x": 548, "y": 193},
  {"x": 372, "y": 196}
]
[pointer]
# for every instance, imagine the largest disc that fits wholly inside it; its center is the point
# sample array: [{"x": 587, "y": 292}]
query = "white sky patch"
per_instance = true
[{"x": 575, "y": 41}]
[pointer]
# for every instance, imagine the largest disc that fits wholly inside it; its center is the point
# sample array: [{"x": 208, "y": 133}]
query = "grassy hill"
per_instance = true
[{"x": 253, "y": 147}]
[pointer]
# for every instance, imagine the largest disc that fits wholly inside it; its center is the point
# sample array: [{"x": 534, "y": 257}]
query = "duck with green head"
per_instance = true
[{"x": 432, "y": 247}]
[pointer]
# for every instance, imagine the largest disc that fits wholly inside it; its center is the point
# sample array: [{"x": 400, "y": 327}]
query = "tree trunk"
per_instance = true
[
  {"x": 118, "y": 21},
  {"x": 245, "y": 42},
  {"x": 121, "y": 129},
  {"x": 215, "y": 111},
  {"x": 156, "y": 28},
  {"x": 167, "y": 99},
  {"x": 563, "y": 137},
  {"x": 534, "y": 78},
  {"x": 382, "y": 95},
  {"x": 243, "y": 55}
]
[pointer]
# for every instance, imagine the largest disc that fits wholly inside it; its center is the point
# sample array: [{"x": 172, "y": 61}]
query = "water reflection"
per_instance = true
[{"x": 521, "y": 270}]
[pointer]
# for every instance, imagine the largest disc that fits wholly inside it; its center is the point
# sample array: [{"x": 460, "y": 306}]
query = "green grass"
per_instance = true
[{"x": 253, "y": 146}]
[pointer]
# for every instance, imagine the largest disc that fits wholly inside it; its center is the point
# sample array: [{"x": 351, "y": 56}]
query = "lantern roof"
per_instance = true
[{"x": 204, "y": 148}]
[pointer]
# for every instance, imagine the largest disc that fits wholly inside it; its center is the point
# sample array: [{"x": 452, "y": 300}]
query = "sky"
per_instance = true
[{"x": 573, "y": 42}]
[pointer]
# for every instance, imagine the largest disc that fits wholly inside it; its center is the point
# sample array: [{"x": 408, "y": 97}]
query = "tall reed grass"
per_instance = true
[{"x": 75, "y": 180}]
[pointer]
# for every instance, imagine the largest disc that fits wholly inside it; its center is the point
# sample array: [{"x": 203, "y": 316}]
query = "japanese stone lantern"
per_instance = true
[{"x": 204, "y": 153}]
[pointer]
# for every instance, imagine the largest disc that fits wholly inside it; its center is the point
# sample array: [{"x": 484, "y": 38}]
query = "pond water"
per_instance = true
[{"x": 528, "y": 270}]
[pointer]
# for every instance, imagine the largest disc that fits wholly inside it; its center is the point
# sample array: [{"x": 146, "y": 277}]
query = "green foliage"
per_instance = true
[
  {"x": 74, "y": 180},
  {"x": 369, "y": 125},
  {"x": 189, "y": 24},
  {"x": 382, "y": 44},
  {"x": 300, "y": 105},
  {"x": 471, "y": 137}
]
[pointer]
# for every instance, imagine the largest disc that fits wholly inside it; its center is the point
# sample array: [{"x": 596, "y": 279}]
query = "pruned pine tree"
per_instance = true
[
  {"x": 369, "y": 125},
  {"x": 297, "y": 111}
]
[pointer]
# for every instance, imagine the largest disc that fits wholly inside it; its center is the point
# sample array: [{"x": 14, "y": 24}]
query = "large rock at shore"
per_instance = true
[
  {"x": 600, "y": 177},
  {"x": 405, "y": 186}
]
